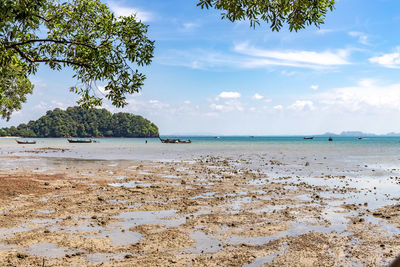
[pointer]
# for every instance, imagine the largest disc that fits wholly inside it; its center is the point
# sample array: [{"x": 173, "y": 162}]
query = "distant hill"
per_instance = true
[
  {"x": 393, "y": 134},
  {"x": 79, "y": 122},
  {"x": 357, "y": 134}
]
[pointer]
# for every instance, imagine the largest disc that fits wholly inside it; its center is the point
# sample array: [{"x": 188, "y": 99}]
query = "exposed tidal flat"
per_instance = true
[{"x": 229, "y": 202}]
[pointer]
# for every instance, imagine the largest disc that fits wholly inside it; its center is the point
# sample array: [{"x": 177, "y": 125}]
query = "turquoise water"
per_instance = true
[
  {"x": 289, "y": 139},
  {"x": 233, "y": 140},
  {"x": 382, "y": 149}
]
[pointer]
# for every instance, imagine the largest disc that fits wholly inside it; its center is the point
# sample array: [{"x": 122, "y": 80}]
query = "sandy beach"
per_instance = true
[{"x": 271, "y": 209}]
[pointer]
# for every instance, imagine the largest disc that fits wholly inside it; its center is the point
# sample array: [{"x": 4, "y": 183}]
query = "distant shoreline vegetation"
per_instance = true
[{"x": 79, "y": 122}]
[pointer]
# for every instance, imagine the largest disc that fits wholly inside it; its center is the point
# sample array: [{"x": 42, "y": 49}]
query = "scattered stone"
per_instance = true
[{"x": 21, "y": 255}]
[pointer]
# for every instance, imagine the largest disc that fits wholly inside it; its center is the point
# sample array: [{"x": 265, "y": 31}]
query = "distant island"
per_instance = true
[
  {"x": 79, "y": 122},
  {"x": 358, "y": 134}
]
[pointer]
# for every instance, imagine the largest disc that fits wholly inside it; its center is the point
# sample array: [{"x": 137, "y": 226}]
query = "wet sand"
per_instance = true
[{"x": 246, "y": 210}]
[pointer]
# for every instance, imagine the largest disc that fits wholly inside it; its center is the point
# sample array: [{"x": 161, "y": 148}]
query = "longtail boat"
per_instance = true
[
  {"x": 26, "y": 142},
  {"x": 188, "y": 141},
  {"x": 80, "y": 141},
  {"x": 174, "y": 141}
]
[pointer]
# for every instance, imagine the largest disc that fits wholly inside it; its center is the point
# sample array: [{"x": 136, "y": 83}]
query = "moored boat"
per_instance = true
[
  {"x": 169, "y": 140},
  {"x": 80, "y": 141},
  {"x": 26, "y": 142},
  {"x": 174, "y": 141},
  {"x": 184, "y": 141},
  {"x": 309, "y": 137}
]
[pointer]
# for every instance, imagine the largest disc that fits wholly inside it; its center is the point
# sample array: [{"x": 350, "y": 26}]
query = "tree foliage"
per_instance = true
[
  {"x": 296, "y": 13},
  {"x": 83, "y": 35},
  {"x": 80, "y": 122}
]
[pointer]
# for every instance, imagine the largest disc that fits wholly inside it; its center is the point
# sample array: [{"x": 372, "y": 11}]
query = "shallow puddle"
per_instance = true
[
  {"x": 84, "y": 227},
  {"x": 144, "y": 172},
  {"x": 5, "y": 232},
  {"x": 131, "y": 184},
  {"x": 135, "y": 218},
  {"x": 295, "y": 230},
  {"x": 121, "y": 238},
  {"x": 204, "y": 243},
  {"x": 49, "y": 250},
  {"x": 103, "y": 257},
  {"x": 204, "y": 195},
  {"x": 262, "y": 261},
  {"x": 382, "y": 224},
  {"x": 47, "y": 211}
]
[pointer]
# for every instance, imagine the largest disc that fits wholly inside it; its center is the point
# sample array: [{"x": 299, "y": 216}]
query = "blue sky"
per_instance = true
[{"x": 212, "y": 76}]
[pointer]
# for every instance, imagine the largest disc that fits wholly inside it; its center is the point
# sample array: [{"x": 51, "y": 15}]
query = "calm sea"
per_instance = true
[{"x": 137, "y": 149}]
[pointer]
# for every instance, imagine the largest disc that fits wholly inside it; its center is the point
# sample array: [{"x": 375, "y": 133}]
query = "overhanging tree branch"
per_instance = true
[
  {"x": 81, "y": 34},
  {"x": 13, "y": 45},
  {"x": 41, "y": 17},
  {"x": 46, "y": 60}
]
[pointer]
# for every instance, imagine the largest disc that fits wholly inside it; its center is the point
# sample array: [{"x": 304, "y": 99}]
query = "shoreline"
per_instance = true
[{"x": 210, "y": 211}]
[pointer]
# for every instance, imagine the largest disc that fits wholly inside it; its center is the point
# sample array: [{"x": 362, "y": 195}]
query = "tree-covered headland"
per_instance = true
[{"x": 80, "y": 122}]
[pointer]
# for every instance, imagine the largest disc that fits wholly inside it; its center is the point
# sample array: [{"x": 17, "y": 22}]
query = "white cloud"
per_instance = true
[
  {"x": 368, "y": 95},
  {"x": 156, "y": 104},
  {"x": 362, "y": 38},
  {"x": 39, "y": 83},
  {"x": 145, "y": 107},
  {"x": 40, "y": 86},
  {"x": 58, "y": 104},
  {"x": 52, "y": 105},
  {"x": 123, "y": 11},
  {"x": 288, "y": 73},
  {"x": 302, "y": 105},
  {"x": 324, "y": 31},
  {"x": 236, "y": 105},
  {"x": 278, "y": 107},
  {"x": 228, "y": 106},
  {"x": 200, "y": 59},
  {"x": 308, "y": 59},
  {"x": 391, "y": 60},
  {"x": 41, "y": 106},
  {"x": 187, "y": 102},
  {"x": 244, "y": 56},
  {"x": 314, "y": 87},
  {"x": 211, "y": 114},
  {"x": 257, "y": 96},
  {"x": 216, "y": 107},
  {"x": 228, "y": 95},
  {"x": 190, "y": 26}
]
